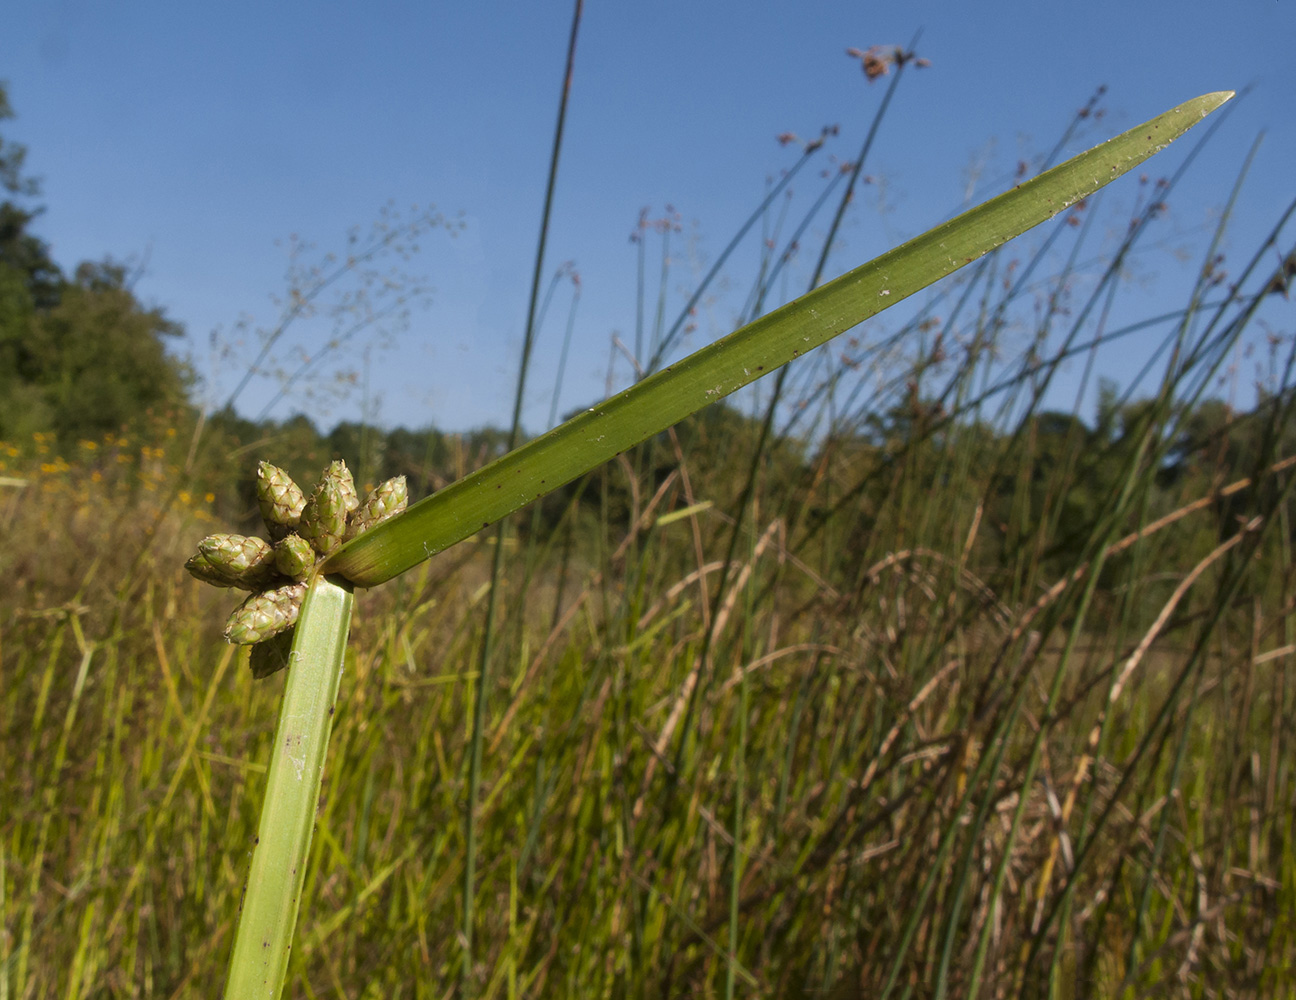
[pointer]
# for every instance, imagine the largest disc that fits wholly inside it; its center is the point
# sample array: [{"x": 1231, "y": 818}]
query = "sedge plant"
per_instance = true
[{"x": 299, "y": 612}]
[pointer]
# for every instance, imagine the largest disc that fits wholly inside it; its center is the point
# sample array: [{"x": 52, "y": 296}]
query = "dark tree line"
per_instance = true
[{"x": 80, "y": 355}]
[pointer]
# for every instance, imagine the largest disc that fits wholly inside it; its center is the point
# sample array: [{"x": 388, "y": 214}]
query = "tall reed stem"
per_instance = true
[{"x": 497, "y": 566}]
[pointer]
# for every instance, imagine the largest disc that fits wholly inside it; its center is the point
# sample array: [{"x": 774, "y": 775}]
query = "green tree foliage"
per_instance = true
[
  {"x": 29, "y": 278},
  {"x": 98, "y": 358},
  {"x": 25, "y": 261},
  {"x": 79, "y": 356}
]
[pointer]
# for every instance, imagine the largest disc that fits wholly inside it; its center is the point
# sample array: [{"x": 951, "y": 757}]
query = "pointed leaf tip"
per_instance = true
[{"x": 1215, "y": 100}]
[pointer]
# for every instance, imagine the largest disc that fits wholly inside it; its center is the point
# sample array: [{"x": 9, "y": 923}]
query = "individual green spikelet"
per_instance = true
[
  {"x": 265, "y": 615},
  {"x": 272, "y": 655},
  {"x": 200, "y": 568},
  {"x": 324, "y": 518},
  {"x": 294, "y": 556},
  {"x": 234, "y": 561},
  {"x": 280, "y": 499},
  {"x": 338, "y": 473},
  {"x": 385, "y": 500}
]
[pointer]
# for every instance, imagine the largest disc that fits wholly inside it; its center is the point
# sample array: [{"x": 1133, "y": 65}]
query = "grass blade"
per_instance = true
[{"x": 757, "y": 349}]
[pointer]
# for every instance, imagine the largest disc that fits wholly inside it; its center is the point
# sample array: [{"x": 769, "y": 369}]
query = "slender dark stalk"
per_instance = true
[
  {"x": 668, "y": 339},
  {"x": 466, "y": 983}
]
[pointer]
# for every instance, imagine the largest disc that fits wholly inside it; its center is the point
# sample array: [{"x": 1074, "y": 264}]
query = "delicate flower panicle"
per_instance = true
[
  {"x": 265, "y": 614},
  {"x": 294, "y": 557},
  {"x": 387, "y": 499},
  {"x": 280, "y": 499},
  {"x": 303, "y": 530}
]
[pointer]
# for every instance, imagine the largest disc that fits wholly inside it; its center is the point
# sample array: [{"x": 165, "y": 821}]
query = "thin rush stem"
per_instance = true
[{"x": 497, "y": 567}]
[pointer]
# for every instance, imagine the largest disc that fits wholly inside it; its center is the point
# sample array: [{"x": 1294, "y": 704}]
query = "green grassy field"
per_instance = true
[
  {"x": 929, "y": 691},
  {"x": 872, "y": 748}
]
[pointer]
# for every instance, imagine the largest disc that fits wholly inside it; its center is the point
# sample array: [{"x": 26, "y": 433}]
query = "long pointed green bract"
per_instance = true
[
  {"x": 658, "y": 402},
  {"x": 265, "y": 930}
]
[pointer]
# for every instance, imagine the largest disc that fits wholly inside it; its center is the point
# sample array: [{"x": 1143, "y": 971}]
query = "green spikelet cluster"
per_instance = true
[
  {"x": 388, "y": 499},
  {"x": 234, "y": 561},
  {"x": 294, "y": 557},
  {"x": 280, "y": 499},
  {"x": 340, "y": 476},
  {"x": 265, "y": 614},
  {"x": 324, "y": 518},
  {"x": 303, "y": 529},
  {"x": 272, "y": 655}
]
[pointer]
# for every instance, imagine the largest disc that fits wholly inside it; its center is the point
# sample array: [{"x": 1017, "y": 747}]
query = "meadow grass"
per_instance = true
[
  {"x": 906, "y": 686},
  {"x": 881, "y": 753}
]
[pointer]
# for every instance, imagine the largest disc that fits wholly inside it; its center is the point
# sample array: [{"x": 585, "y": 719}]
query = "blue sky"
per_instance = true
[{"x": 194, "y": 138}]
